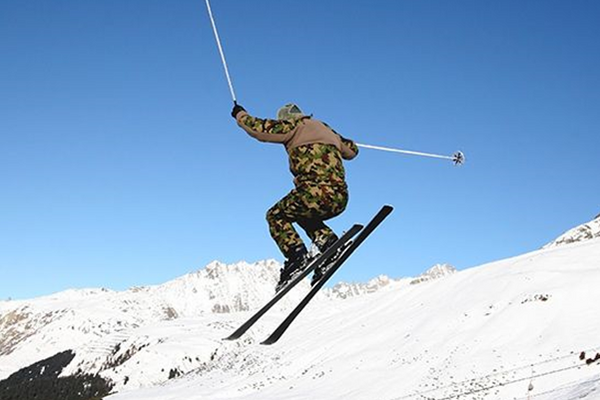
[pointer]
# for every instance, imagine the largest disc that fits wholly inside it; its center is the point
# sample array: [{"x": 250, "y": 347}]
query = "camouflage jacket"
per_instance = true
[{"x": 315, "y": 150}]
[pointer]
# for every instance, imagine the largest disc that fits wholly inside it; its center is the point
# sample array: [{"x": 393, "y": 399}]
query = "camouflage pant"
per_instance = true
[{"x": 308, "y": 205}]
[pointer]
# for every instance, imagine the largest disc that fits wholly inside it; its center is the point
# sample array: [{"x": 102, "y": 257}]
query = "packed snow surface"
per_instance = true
[{"x": 521, "y": 328}]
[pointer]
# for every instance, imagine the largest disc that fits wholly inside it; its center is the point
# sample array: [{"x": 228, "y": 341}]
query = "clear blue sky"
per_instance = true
[{"x": 120, "y": 164}]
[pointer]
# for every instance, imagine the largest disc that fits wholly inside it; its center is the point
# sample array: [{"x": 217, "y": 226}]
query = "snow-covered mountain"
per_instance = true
[
  {"x": 104, "y": 327},
  {"x": 521, "y": 328},
  {"x": 99, "y": 319},
  {"x": 436, "y": 272},
  {"x": 344, "y": 290},
  {"x": 581, "y": 233}
]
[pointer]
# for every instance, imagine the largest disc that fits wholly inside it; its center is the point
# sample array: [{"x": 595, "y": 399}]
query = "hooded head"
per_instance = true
[{"x": 289, "y": 111}]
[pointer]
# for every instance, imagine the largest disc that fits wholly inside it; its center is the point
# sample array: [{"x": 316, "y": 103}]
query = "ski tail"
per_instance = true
[
  {"x": 311, "y": 266},
  {"x": 371, "y": 226}
]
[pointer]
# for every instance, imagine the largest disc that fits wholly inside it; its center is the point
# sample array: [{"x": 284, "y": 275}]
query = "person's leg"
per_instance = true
[
  {"x": 324, "y": 202},
  {"x": 308, "y": 206},
  {"x": 317, "y": 231},
  {"x": 280, "y": 218}
]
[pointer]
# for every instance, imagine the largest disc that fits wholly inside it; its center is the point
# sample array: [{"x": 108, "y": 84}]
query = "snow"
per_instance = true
[
  {"x": 578, "y": 234},
  {"x": 511, "y": 329},
  {"x": 488, "y": 332},
  {"x": 436, "y": 272}
]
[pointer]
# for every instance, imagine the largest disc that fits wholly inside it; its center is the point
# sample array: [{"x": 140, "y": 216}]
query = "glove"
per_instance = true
[{"x": 236, "y": 109}]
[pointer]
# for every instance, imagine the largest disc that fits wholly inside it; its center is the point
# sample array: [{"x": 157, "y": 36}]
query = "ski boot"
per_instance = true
[
  {"x": 293, "y": 266},
  {"x": 324, "y": 267}
]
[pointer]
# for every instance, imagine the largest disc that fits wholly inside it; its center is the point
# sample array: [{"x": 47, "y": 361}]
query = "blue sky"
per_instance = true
[{"x": 120, "y": 164}]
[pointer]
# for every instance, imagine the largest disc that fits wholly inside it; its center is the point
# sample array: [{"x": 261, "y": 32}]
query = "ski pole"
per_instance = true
[
  {"x": 458, "y": 158},
  {"x": 214, "y": 26}
]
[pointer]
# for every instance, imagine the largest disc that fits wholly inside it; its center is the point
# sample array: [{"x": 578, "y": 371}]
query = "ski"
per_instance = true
[
  {"x": 374, "y": 223},
  {"x": 311, "y": 266}
]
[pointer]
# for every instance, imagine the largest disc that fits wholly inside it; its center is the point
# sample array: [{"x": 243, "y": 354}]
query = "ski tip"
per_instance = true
[
  {"x": 268, "y": 342},
  {"x": 231, "y": 337}
]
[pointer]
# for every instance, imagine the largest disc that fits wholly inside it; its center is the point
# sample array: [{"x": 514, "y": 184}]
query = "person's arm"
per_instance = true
[
  {"x": 265, "y": 130},
  {"x": 349, "y": 148}
]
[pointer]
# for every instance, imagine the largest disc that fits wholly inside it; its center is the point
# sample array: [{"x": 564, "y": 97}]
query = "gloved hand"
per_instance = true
[{"x": 236, "y": 109}]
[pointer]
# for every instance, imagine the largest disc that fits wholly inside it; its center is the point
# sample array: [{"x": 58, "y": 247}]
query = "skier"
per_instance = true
[{"x": 315, "y": 157}]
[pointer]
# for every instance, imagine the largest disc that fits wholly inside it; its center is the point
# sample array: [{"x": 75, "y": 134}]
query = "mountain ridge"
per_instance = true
[{"x": 581, "y": 233}]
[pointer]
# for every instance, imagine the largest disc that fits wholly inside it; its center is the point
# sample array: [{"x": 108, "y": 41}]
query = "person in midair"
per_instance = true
[{"x": 320, "y": 191}]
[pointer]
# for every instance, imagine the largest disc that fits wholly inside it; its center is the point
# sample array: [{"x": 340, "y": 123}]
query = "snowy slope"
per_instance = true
[
  {"x": 97, "y": 320},
  {"x": 107, "y": 328},
  {"x": 513, "y": 329}
]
